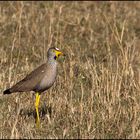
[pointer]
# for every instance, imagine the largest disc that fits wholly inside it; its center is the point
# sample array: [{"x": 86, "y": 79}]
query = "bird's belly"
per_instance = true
[{"x": 45, "y": 83}]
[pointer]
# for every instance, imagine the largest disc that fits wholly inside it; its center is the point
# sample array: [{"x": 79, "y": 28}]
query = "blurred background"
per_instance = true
[{"x": 97, "y": 92}]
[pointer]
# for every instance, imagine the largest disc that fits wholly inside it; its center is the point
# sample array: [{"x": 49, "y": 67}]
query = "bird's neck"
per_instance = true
[{"x": 52, "y": 62}]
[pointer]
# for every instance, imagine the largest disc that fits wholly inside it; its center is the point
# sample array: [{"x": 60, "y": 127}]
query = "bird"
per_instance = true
[{"x": 40, "y": 79}]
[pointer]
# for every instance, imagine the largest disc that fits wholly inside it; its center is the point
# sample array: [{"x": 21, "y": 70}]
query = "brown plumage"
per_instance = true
[{"x": 29, "y": 82}]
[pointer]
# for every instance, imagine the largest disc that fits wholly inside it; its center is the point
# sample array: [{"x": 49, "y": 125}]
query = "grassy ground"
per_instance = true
[{"x": 97, "y": 92}]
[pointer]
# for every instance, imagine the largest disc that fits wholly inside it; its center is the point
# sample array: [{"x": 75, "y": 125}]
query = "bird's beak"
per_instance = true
[{"x": 58, "y": 53}]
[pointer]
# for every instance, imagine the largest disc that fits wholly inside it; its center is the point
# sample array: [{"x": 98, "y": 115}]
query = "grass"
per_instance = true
[{"x": 96, "y": 94}]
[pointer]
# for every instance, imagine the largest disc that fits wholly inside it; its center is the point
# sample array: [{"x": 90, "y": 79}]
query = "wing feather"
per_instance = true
[{"x": 30, "y": 81}]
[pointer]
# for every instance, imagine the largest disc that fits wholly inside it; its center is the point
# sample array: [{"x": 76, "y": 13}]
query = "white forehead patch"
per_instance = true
[{"x": 57, "y": 49}]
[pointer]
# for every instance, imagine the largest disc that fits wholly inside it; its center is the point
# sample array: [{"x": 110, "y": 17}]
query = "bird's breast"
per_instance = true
[{"x": 48, "y": 79}]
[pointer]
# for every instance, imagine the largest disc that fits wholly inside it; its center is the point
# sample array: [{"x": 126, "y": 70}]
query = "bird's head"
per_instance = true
[{"x": 54, "y": 52}]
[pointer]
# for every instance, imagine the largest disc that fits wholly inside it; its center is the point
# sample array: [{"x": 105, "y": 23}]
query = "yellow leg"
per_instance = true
[{"x": 36, "y": 107}]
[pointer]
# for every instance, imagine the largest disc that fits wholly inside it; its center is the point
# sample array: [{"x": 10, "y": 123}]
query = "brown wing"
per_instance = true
[{"x": 30, "y": 81}]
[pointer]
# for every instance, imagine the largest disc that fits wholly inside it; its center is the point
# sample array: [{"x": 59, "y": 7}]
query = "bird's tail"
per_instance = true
[{"x": 7, "y": 91}]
